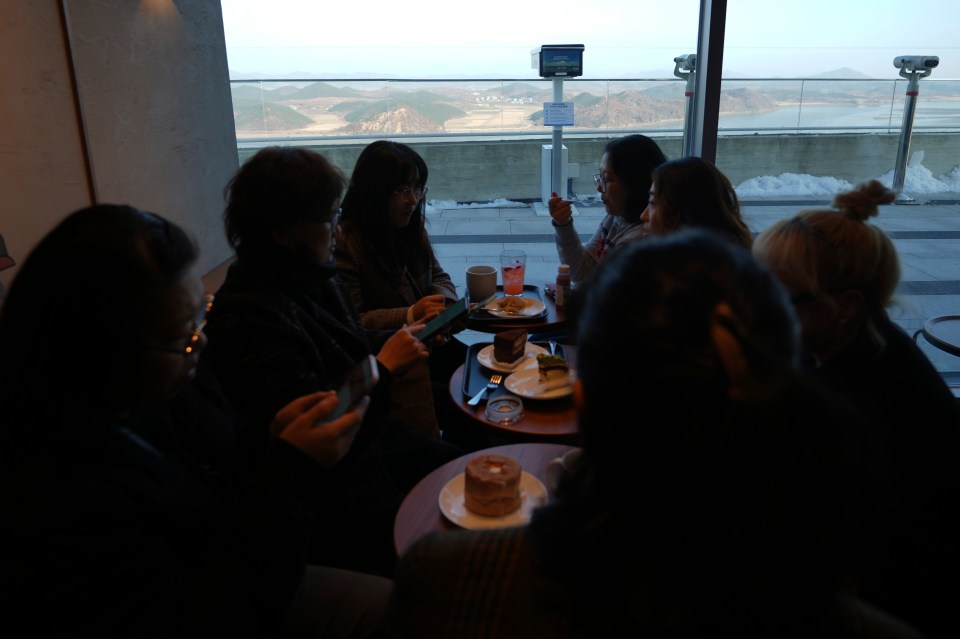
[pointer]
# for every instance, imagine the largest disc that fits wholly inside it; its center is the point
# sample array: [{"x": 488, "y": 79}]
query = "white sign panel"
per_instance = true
[{"x": 558, "y": 114}]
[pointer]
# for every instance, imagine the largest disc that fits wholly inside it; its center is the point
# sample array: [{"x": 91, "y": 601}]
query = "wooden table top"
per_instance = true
[
  {"x": 543, "y": 420},
  {"x": 420, "y": 512}
]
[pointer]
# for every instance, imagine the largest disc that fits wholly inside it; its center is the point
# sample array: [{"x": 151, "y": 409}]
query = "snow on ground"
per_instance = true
[{"x": 919, "y": 179}]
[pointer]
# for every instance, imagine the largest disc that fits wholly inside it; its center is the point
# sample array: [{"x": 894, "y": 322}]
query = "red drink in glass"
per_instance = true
[
  {"x": 513, "y": 279},
  {"x": 513, "y": 264}
]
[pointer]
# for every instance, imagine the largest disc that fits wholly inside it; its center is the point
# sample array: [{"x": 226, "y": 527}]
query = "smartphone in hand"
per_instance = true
[
  {"x": 359, "y": 383},
  {"x": 449, "y": 315}
]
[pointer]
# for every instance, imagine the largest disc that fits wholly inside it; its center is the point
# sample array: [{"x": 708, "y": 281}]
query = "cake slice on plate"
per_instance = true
[
  {"x": 554, "y": 370},
  {"x": 509, "y": 346}
]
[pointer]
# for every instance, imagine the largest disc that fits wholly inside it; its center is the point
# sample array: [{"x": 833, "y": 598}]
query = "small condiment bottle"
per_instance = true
[{"x": 563, "y": 285}]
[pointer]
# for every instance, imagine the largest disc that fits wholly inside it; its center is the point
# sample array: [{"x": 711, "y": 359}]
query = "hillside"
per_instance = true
[
  {"x": 254, "y": 115},
  {"x": 400, "y": 120},
  {"x": 322, "y": 90}
]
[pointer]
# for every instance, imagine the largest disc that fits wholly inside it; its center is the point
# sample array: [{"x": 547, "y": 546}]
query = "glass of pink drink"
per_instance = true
[{"x": 513, "y": 264}]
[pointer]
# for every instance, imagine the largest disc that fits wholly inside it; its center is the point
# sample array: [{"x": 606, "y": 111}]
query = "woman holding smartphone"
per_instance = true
[
  {"x": 386, "y": 262},
  {"x": 284, "y": 326},
  {"x": 127, "y": 514}
]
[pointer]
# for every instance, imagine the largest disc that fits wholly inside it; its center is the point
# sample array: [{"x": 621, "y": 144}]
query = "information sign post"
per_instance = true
[{"x": 558, "y": 61}]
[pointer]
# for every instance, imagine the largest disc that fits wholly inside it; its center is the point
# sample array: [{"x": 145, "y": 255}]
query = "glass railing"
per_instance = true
[{"x": 332, "y": 110}]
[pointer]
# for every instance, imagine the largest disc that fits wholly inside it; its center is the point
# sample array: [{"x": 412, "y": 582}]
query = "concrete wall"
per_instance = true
[
  {"x": 152, "y": 97},
  {"x": 482, "y": 170}
]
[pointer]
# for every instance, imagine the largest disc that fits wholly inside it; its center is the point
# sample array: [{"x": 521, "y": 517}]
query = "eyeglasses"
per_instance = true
[
  {"x": 406, "y": 191},
  {"x": 199, "y": 323},
  {"x": 601, "y": 181}
]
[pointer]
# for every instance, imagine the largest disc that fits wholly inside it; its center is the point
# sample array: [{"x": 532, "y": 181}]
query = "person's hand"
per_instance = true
[
  {"x": 404, "y": 349},
  {"x": 426, "y": 305},
  {"x": 560, "y": 210},
  {"x": 300, "y": 423}
]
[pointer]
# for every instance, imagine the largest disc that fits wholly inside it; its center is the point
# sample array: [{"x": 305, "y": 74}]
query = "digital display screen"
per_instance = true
[{"x": 561, "y": 61}]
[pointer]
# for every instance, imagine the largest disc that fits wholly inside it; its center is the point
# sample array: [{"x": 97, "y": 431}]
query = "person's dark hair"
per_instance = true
[
  {"x": 693, "y": 192},
  {"x": 76, "y": 307},
  {"x": 278, "y": 188},
  {"x": 658, "y": 309},
  {"x": 633, "y": 158},
  {"x": 382, "y": 167},
  {"x": 701, "y": 469}
]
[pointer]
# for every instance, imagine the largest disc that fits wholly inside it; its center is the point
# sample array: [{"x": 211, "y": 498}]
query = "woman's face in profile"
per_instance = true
[
  {"x": 313, "y": 240},
  {"x": 611, "y": 189},
  {"x": 404, "y": 203},
  {"x": 816, "y": 314},
  {"x": 164, "y": 366},
  {"x": 653, "y": 222}
]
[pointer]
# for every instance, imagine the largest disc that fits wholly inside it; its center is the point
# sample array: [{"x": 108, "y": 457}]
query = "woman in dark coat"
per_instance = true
[
  {"x": 284, "y": 326},
  {"x": 125, "y": 515}
]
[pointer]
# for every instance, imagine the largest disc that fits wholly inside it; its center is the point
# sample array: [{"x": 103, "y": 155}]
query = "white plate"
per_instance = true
[
  {"x": 485, "y": 357},
  {"x": 536, "y": 307},
  {"x": 526, "y": 383},
  {"x": 533, "y": 494}
]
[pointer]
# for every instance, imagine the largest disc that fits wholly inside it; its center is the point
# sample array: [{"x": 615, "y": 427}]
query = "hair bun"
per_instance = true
[{"x": 861, "y": 202}]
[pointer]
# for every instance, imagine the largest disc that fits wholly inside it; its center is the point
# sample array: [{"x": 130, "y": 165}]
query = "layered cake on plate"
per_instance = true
[
  {"x": 491, "y": 485},
  {"x": 509, "y": 346}
]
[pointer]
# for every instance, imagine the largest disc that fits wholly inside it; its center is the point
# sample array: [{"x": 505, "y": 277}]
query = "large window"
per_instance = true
[{"x": 809, "y": 103}]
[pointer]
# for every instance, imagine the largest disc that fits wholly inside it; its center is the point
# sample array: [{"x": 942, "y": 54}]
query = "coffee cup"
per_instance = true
[
  {"x": 481, "y": 282},
  {"x": 560, "y": 467}
]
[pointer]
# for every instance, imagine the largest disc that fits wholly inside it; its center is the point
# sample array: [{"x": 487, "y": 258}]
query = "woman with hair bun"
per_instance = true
[{"x": 841, "y": 273}]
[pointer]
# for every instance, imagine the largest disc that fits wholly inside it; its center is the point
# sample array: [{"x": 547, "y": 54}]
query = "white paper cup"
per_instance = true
[{"x": 481, "y": 282}]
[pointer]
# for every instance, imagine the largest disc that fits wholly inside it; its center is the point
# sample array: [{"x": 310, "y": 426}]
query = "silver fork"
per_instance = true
[{"x": 491, "y": 386}]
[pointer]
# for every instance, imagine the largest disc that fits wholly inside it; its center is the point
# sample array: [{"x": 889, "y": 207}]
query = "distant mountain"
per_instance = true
[
  {"x": 394, "y": 121},
  {"x": 254, "y": 115},
  {"x": 427, "y": 105},
  {"x": 321, "y": 90},
  {"x": 630, "y": 108},
  {"x": 586, "y": 99},
  {"x": 248, "y": 92},
  {"x": 520, "y": 90},
  {"x": 844, "y": 73}
]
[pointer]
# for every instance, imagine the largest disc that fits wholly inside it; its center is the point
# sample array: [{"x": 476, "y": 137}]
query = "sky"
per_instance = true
[{"x": 493, "y": 39}]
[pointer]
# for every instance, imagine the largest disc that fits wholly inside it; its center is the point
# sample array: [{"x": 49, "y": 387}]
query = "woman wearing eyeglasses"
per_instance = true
[
  {"x": 386, "y": 262},
  {"x": 623, "y": 183},
  {"x": 124, "y": 513}
]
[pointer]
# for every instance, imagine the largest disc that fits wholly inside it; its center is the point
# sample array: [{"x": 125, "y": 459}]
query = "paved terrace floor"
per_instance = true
[{"x": 926, "y": 234}]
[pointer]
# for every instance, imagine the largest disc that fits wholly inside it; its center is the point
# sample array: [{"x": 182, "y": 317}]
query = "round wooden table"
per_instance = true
[
  {"x": 420, "y": 513},
  {"x": 543, "y": 420}
]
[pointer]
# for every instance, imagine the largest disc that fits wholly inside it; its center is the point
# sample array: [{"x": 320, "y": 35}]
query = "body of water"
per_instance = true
[{"x": 940, "y": 114}]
